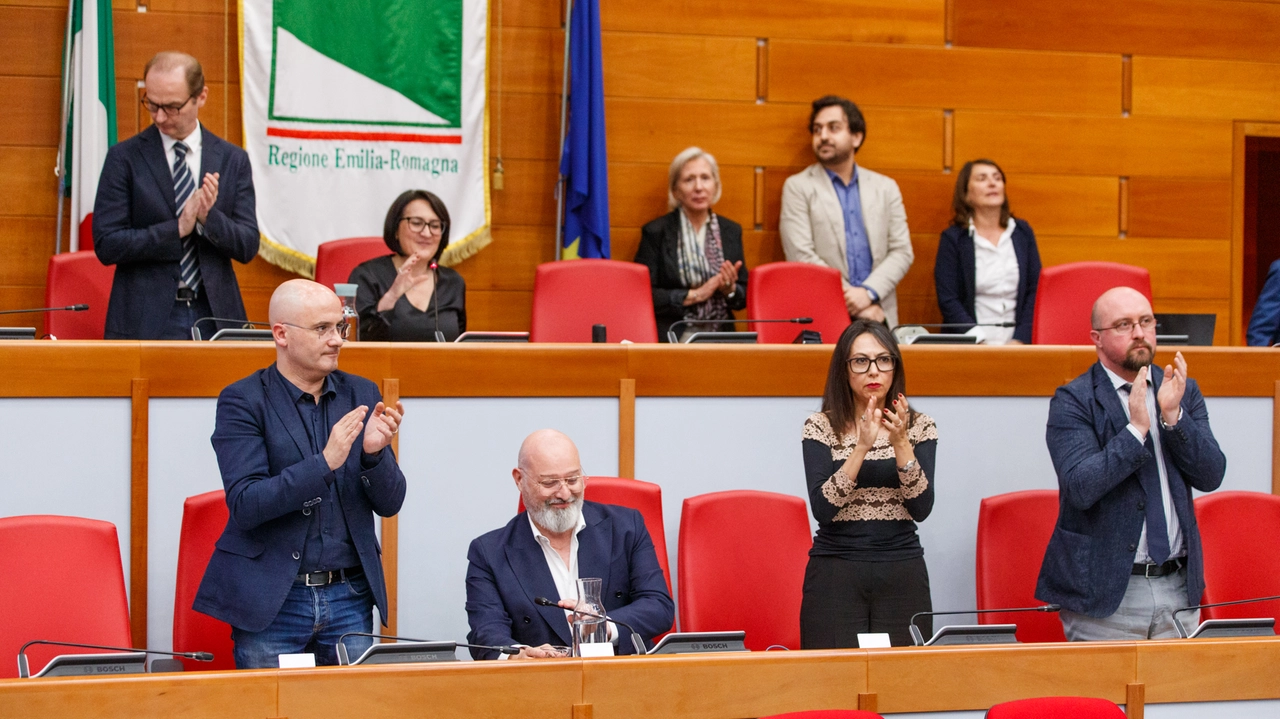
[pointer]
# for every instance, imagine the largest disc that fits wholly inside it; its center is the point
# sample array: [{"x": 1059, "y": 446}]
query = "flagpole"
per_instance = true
[
  {"x": 564, "y": 112},
  {"x": 67, "y": 72}
]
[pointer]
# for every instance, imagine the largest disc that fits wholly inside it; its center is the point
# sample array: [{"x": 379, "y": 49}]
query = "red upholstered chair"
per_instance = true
[
  {"x": 86, "y": 232},
  {"x": 571, "y": 296},
  {"x": 1240, "y": 536},
  {"x": 741, "y": 564},
  {"x": 63, "y": 581},
  {"x": 780, "y": 290},
  {"x": 1065, "y": 297},
  {"x": 336, "y": 259},
  {"x": 77, "y": 278},
  {"x": 203, "y": 518},
  {"x": 1013, "y": 532},
  {"x": 827, "y": 714},
  {"x": 1056, "y": 708}
]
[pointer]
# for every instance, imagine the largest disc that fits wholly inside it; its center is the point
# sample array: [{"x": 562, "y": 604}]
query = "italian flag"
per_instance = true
[{"x": 88, "y": 108}]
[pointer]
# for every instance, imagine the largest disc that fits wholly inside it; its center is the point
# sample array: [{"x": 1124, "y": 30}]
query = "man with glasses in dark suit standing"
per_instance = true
[
  {"x": 304, "y": 453},
  {"x": 175, "y": 205}
]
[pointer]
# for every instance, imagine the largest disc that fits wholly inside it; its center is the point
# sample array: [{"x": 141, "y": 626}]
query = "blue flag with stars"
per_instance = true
[{"x": 583, "y": 162}]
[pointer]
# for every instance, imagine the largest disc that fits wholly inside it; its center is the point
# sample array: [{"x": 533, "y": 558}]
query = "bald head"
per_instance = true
[
  {"x": 544, "y": 449},
  {"x": 295, "y": 300},
  {"x": 1118, "y": 303}
]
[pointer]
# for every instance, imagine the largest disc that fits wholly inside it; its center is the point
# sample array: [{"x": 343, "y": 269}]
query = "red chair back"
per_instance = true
[
  {"x": 77, "y": 278},
  {"x": 827, "y": 714},
  {"x": 781, "y": 290},
  {"x": 63, "y": 581},
  {"x": 336, "y": 259},
  {"x": 86, "y": 233},
  {"x": 1240, "y": 536},
  {"x": 1013, "y": 533},
  {"x": 1065, "y": 297},
  {"x": 1056, "y": 708},
  {"x": 571, "y": 296},
  {"x": 204, "y": 516},
  {"x": 741, "y": 563}
]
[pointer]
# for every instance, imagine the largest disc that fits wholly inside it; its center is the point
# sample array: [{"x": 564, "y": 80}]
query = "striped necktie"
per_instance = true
[
  {"x": 183, "y": 186},
  {"x": 1149, "y": 480}
]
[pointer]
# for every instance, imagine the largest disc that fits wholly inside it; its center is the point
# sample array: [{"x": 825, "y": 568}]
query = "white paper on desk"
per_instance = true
[
  {"x": 596, "y": 649},
  {"x": 297, "y": 661},
  {"x": 875, "y": 640}
]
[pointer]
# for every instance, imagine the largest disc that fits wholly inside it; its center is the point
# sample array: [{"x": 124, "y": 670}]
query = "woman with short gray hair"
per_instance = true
[{"x": 694, "y": 256}]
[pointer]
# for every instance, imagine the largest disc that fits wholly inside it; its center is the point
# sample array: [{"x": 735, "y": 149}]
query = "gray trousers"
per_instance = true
[{"x": 1145, "y": 613}]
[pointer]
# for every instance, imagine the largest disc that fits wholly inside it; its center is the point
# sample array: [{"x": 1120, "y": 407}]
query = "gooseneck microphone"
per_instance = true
[
  {"x": 918, "y": 638},
  {"x": 673, "y": 336},
  {"x": 68, "y": 308},
  {"x": 344, "y": 659},
  {"x": 1182, "y": 630},
  {"x": 435, "y": 298},
  {"x": 636, "y": 641},
  {"x": 24, "y": 669}
]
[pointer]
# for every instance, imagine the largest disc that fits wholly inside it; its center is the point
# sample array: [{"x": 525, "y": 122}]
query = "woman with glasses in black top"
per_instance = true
[
  {"x": 407, "y": 297},
  {"x": 868, "y": 460}
]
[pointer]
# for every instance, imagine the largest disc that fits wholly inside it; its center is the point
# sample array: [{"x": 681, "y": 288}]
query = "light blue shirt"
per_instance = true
[{"x": 857, "y": 248}]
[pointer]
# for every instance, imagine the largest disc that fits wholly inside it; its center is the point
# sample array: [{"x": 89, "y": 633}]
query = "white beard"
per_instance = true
[{"x": 558, "y": 518}]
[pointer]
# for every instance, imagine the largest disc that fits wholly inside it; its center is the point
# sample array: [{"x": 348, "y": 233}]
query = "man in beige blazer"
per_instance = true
[{"x": 838, "y": 214}]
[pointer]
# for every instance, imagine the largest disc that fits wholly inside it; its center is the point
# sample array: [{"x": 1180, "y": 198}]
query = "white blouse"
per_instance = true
[{"x": 995, "y": 286}]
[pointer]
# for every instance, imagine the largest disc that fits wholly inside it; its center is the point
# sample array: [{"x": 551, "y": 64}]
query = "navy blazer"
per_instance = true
[
  {"x": 659, "y": 251},
  {"x": 506, "y": 570},
  {"x": 272, "y": 480},
  {"x": 1264, "y": 323},
  {"x": 954, "y": 277},
  {"x": 135, "y": 228},
  {"x": 1091, "y": 552}
]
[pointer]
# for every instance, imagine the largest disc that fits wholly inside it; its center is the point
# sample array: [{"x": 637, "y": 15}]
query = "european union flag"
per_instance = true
[{"x": 583, "y": 163}]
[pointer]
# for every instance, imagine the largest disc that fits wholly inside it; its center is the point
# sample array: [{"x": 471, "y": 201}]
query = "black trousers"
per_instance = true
[{"x": 843, "y": 598}]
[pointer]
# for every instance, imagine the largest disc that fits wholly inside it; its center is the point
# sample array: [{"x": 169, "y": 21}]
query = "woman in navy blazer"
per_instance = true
[{"x": 982, "y": 215}]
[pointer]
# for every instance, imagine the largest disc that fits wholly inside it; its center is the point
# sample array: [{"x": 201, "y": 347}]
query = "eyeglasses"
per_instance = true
[
  {"x": 170, "y": 109},
  {"x": 862, "y": 365},
  {"x": 1124, "y": 327},
  {"x": 571, "y": 483},
  {"x": 417, "y": 224},
  {"x": 343, "y": 329}
]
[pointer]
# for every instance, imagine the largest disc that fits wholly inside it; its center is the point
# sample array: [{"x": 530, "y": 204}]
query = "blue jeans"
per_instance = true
[
  {"x": 311, "y": 621},
  {"x": 184, "y": 315}
]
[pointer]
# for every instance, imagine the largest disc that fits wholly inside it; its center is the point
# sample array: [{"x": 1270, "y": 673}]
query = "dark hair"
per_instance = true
[
  {"x": 170, "y": 59},
  {"x": 960, "y": 200},
  {"x": 837, "y": 399},
  {"x": 852, "y": 115},
  {"x": 396, "y": 213}
]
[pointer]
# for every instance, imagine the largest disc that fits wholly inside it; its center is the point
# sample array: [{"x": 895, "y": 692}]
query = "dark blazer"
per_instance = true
[
  {"x": 953, "y": 276},
  {"x": 447, "y": 309},
  {"x": 1090, "y": 555},
  {"x": 272, "y": 480},
  {"x": 506, "y": 570},
  {"x": 135, "y": 228},
  {"x": 1264, "y": 323},
  {"x": 659, "y": 247}
]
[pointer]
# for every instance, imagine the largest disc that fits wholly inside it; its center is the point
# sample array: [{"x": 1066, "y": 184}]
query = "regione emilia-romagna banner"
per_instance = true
[{"x": 348, "y": 103}]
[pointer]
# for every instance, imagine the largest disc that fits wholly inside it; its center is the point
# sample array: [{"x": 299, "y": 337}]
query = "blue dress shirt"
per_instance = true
[{"x": 857, "y": 248}]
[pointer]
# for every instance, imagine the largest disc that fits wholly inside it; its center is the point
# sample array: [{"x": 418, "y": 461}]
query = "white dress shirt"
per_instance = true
[
  {"x": 195, "y": 145},
  {"x": 995, "y": 287}
]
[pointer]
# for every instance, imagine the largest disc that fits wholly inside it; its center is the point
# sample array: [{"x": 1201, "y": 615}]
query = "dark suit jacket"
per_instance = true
[
  {"x": 1090, "y": 555},
  {"x": 659, "y": 245},
  {"x": 506, "y": 570},
  {"x": 1264, "y": 323},
  {"x": 135, "y": 228},
  {"x": 272, "y": 480},
  {"x": 954, "y": 272}
]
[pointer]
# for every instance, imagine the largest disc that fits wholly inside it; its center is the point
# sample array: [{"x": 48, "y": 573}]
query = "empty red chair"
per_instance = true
[
  {"x": 782, "y": 290},
  {"x": 827, "y": 714},
  {"x": 1065, "y": 297},
  {"x": 741, "y": 559},
  {"x": 337, "y": 258},
  {"x": 1056, "y": 708},
  {"x": 77, "y": 278},
  {"x": 204, "y": 516},
  {"x": 571, "y": 296},
  {"x": 1240, "y": 536},
  {"x": 63, "y": 581},
  {"x": 1013, "y": 533}
]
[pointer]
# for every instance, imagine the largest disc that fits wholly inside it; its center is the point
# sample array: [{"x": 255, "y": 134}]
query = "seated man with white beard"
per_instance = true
[{"x": 544, "y": 550}]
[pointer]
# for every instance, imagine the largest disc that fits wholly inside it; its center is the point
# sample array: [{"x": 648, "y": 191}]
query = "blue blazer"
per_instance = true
[
  {"x": 506, "y": 570},
  {"x": 1264, "y": 323},
  {"x": 272, "y": 480},
  {"x": 135, "y": 228},
  {"x": 954, "y": 277},
  {"x": 1090, "y": 555}
]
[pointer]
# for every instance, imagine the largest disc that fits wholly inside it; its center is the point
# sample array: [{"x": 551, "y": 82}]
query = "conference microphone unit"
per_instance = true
[
  {"x": 435, "y": 298},
  {"x": 130, "y": 661},
  {"x": 973, "y": 633},
  {"x": 68, "y": 308},
  {"x": 1213, "y": 628},
  {"x": 636, "y": 641},
  {"x": 674, "y": 337},
  {"x": 412, "y": 651},
  {"x": 243, "y": 331},
  {"x": 918, "y": 333}
]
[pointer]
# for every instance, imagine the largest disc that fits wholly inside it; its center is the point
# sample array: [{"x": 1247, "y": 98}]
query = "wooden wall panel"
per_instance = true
[
  {"x": 1179, "y": 208},
  {"x": 509, "y": 262},
  {"x": 31, "y": 110},
  {"x": 140, "y": 35},
  {"x": 638, "y": 193},
  {"x": 1092, "y": 145},
  {"x": 32, "y": 40},
  {"x": 532, "y": 59},
  {"x": 1052, "y": 204},
  {"x": 944, "y": 77},
  {"x": 30, "y": 243},
  {"x": 27, "y": 184},
  {"x": 531, "y": 126},
  {"x": 1184, "y": 28},
  {"x": 668, "y": 66},
  {"x": 1179, "y": 269},
  {"x": 499, "y": 310},
  {"x": 1218, "y": 89},
  {"x": 16, "y": 297},
  {"x": 527, "y": 195},
  {"x": 1219, "y": 307}
]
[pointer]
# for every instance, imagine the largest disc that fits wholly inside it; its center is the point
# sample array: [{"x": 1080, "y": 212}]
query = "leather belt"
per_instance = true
[
  {"x": 1160, "y": 570},
  {"x": 332, "y": 576},
  {"x": 186, "y": 294}
]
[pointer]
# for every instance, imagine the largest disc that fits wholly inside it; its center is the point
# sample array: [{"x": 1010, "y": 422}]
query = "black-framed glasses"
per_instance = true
[
  {"x": 1124, "y": 327},
  {"x": 862, "y": 365},
  {"x": 417, "y": 224},
  {"x": 343, "y": 329},
  {"x": 170, "y": 109}
]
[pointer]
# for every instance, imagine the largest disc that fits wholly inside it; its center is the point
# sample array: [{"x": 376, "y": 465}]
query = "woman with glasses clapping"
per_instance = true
[
  {"x": 868, "y": 461},
  {"x": 407, "y": 297}
]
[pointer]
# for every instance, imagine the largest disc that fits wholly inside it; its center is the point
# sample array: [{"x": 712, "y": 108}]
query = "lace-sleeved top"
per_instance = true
[{"x": 870, "y": 517}]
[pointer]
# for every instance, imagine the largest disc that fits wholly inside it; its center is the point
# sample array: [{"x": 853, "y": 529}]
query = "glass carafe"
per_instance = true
[{"x": 588, "y": 629}]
